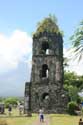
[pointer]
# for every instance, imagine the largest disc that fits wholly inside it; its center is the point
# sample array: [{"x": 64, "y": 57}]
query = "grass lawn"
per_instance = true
[
  {"x": 15, "y": 119},
  {"x": 57, "y": 119}
]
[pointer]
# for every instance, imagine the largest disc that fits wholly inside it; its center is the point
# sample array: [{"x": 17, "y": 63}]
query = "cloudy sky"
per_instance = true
[{"x": 18, "y": 20}]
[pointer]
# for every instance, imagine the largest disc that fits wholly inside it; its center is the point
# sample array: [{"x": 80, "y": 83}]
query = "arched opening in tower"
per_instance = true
[
  {"x": 45, "y": 70},
  {"x": 45, "y": 96},
  {"x": 45, "y": 47}
]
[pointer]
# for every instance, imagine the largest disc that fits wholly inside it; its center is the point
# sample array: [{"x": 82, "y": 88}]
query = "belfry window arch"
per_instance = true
[
  {"x": 44, "y": 48},
  {"x": 45, "y": 71}
]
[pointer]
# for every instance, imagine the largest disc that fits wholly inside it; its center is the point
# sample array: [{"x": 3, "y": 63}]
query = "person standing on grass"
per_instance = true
[
  {"x": 21, "y": 107},
  {"x": 41, "y": 115},
  {"x": 10, "y": 109}
]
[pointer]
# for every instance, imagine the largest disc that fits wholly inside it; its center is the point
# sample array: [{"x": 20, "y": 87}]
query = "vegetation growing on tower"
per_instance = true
[{"x": 49, "y": 25}]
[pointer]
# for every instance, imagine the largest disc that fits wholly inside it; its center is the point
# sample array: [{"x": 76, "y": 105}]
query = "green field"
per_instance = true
[
  {"x": 54, "y": 119},
  {"x": 58, "y": 119},
  {"x": 16, "y": 119}
]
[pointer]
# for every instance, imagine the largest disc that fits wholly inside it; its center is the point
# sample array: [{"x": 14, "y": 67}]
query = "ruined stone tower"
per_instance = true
[{"x": 46, "y": 85}]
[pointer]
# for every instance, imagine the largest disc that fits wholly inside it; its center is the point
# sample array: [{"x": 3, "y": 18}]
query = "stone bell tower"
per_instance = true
[{"x": 47, "y": 71}]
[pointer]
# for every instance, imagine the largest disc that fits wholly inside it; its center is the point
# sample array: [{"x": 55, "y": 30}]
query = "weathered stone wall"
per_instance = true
[
  {"x": 47, "y": 91},
  {"x": 55, "y": 44},
  {"x": 55, "y": 102}
]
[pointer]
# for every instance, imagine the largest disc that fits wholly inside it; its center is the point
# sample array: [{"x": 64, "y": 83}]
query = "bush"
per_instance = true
[
  {"x": 78, "y": 100},
  {"x": 72, "y": 107}
]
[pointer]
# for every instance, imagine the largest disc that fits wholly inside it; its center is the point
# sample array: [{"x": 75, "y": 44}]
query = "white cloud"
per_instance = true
[
  {"x": 13, "y": 49},
  {"x": 74, "y": 65}
]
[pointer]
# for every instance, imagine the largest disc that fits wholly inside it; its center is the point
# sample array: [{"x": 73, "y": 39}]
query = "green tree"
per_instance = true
[
  {"x": 73, "y": 92},
  {"x": 77, "y": 41},
  {"x": 73, "y": 84},
  {"x": 1, "y": 99},
  {"x": 10, "y": 100},
  {"x": 71, "y": 78}
]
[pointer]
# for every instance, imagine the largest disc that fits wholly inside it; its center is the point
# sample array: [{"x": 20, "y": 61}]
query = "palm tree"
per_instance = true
[{"x": 77, "y": 42}]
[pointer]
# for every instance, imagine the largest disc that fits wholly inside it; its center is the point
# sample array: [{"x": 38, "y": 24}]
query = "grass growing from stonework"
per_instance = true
[{"x": 57, "y": 119}]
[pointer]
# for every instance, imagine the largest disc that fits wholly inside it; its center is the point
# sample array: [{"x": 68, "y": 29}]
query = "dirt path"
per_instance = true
[{"x": 46, "y": 121}]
